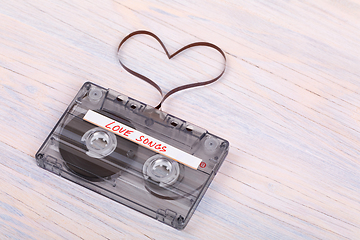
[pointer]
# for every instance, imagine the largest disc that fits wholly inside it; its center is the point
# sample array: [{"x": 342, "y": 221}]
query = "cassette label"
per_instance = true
[{"x": 142, "y": 139}]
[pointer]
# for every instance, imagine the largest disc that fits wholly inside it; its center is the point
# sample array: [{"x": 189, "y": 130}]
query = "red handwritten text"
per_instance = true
[
  {"x": 119, "y": 129},
  {"x": 151, "y": 144}
]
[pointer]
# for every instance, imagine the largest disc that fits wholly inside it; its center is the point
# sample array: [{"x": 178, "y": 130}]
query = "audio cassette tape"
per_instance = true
[{"x": 133, "y": 153}]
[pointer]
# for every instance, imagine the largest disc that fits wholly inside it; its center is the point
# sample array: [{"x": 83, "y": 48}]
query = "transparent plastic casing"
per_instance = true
[{"x": 124, "y": 171}]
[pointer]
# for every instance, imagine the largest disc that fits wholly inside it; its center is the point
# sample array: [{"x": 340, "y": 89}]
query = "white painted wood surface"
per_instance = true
[{"x": 289, "y": 104}]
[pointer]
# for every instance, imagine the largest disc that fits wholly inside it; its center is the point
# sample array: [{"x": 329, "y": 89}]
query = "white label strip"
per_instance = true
[{"x": 142, "y": 139}]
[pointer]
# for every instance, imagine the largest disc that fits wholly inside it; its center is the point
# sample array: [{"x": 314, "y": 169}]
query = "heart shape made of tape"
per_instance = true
[{"x": 170, "y": 56}]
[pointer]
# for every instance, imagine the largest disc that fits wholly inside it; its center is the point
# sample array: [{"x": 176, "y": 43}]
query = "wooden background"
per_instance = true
[{"x": 289, "y": 104}]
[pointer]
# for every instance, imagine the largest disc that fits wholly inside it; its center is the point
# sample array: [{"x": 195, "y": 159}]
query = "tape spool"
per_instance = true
[
  {"x": 94, "y": 153},
  {"x": 162, "y": 170}
]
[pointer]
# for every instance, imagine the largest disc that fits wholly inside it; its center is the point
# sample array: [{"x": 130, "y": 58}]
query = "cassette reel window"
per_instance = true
[{"x": 133, "y": 153}]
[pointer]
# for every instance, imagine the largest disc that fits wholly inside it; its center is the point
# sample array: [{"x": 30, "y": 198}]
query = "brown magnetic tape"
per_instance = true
[{"x": 170, "y": 56}]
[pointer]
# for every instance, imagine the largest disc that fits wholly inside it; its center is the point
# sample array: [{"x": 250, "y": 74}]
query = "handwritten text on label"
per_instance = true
[{"x": 142, "y": 139}]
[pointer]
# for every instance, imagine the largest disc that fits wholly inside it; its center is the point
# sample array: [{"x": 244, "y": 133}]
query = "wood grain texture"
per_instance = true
[{"x": 289, "y": 104}]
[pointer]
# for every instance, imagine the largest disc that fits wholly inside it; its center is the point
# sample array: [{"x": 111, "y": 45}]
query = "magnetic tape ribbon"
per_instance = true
[{"x": 170, "y": 56}]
